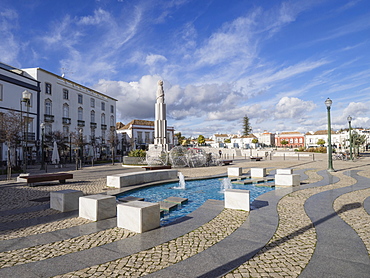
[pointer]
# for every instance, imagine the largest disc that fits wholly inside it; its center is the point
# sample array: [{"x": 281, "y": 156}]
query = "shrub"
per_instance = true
[{"x": 137, "y": 153}]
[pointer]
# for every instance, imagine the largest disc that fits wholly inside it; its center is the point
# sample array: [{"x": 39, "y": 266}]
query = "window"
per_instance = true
[
  {"x": 65, "y": 110},
  {"x": 103, "y": 136},
  {"x": 80, "y": 99},
  {"x": 66, "y": 130},
  {"x": 65, "y": 94},
  {"x": 48, "y": 88},
  {"x": 103, "y": 119},
  {"x": 147, "y": 137},
  {"x": 112, "y": 109},
  {"x": 1, "y": 92},
  {"x": 139, "y": 137},
  {"x": 48, "y": 129},
  {"x": 103, "y": 106},
  {"x": 111, "y": 121},
  {"x": 92, "y": 102},
  {"x": 92, "y": 116},
  {"x": 80, "y": 114},
  {"x": 48, "y": 107}
]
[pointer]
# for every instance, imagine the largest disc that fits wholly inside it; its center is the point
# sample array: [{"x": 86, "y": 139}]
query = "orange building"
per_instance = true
[{"x": 294, "y": 139}]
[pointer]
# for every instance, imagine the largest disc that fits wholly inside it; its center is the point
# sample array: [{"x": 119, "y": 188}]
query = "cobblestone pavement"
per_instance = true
[
  {"x": 170, "y": 252},
  {"x": 60, "y": 248},
  {"x": 356, "y": 216},
  {"x": 292, "y": 246},
  {"x": 286, "y": 254},
  {"x": 43, "y": 228}
]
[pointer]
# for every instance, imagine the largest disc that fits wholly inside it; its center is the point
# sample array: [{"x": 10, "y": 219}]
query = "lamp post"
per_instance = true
[
  {"x": 349, "y": 118},
  {"x": 42, "y": 125},
  {"x": 328, "y": 103},
  {"x": 81, "y": 147},
  {"x": 26, "y": 97}
]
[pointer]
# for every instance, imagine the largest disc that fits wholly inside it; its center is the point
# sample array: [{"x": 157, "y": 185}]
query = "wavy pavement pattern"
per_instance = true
[
  {"x": 291, "y": 248},
  {"x": 168, "y": 253}
]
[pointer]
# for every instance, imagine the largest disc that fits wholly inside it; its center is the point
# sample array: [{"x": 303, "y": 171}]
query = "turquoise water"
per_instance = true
[{"x": 197, "y": 192}]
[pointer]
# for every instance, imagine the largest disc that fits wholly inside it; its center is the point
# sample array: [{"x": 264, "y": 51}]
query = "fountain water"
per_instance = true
[
  {"x": 225, "y": 184},
  {"x": 182, "y": 184}
]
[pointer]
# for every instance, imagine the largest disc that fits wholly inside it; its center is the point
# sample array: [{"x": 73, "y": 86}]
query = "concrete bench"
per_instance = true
[
  {"x": 287, "y": 180},
  {"x": 234, "y": 171},
  {"x": 127, "y": 179},
  {"x": 258, "y": 172},
  {"x": 61, "y": 177},
  {"x": 138, "y": 216},
  {"x": 97, "y": 207},
  {"x": 148, "y": 168},
  {"x": 65, "y": 200},
  {"x": 237, "y": 199}
]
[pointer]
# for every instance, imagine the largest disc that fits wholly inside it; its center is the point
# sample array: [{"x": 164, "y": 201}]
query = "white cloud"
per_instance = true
[
  {"x": 9, "y": 46},
  {"x": 153, "y": 59},
  {"x": 292, "y": 108}
]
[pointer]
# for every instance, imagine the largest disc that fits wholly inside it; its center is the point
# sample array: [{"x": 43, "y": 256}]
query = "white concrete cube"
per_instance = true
[
  {"x": 258, "y": 172},
  {"x": 97, "y": 207},
  {"x": 138, "y": 216},
  {"x": 234, "y": 171},
  {"x": 65, "y": 200},
  {"x": 286, "y": 171},
  {"x": 237, "y": 199},
  {"x": 287, "y": 180}
]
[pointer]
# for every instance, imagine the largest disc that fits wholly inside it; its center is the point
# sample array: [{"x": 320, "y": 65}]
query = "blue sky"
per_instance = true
[{"x": 274, "y": 61}]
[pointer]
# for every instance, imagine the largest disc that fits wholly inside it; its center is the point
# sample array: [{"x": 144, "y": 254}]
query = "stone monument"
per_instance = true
[{"x": 160, "y": 123}]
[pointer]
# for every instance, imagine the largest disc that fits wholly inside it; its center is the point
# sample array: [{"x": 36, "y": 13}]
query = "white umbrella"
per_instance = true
[{"x": 55, "y": 155}]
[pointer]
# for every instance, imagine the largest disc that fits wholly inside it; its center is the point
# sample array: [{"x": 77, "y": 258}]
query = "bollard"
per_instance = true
[{"x": 298, "y": 156}]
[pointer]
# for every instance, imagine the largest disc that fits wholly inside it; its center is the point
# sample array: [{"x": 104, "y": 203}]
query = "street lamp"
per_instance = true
[
  {"x": 349, "y": 119},
  {"x": 328, "y": 103},
  {"x": 26, "y": 97},
  {"x": 81, "y": 146},
  {"x": 42, "y": 125}
]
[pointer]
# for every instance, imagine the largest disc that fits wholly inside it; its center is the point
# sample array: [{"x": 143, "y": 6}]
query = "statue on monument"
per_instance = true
[{"x": 160, "y": 92}]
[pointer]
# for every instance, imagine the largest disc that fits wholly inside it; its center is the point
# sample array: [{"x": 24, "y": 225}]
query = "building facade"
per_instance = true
[
  {"x": 13, "y": 82},
  {"x": 56, "y": 105},
  {"x": 138, "y": 134},
  {"x": 293, "y": 139}
]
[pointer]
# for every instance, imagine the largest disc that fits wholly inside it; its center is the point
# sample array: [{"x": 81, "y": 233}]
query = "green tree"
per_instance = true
[
  {"x": 227, "y": 141},
  {"x": 180, "y": 138},
  {"x": 320, "y": 142},
  {"x": 284, "y": 142},
  {"x": 255, "y": 141},
  {"x": 246, "y": 126},
  {"x": 201, "y": 140}
]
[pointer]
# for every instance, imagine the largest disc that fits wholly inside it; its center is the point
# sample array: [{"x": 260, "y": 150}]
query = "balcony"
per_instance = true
[
  {"x": 104, "y": 127},
  {"x": 30, "y": 136},
  {"x": 48, "y": 118},
  {"x": 93, "y": 125},
  {"x": 80, "y": 123},
  {"x": 66, "y": 121}
]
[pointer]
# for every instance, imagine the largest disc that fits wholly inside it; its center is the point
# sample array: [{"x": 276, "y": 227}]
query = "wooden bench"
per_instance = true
[
  {"x": 61, "y": 177},
  {"x": 147, "y": 168},
  {"x": 256, "y": 158}
]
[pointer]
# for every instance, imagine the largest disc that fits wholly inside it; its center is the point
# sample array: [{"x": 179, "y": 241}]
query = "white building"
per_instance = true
[
  {"x": 13, "y": 82},
  {"x": 138, "y": 134},
  {"x": 68, "y": 106},
  {"x": 60, "y": 104}
]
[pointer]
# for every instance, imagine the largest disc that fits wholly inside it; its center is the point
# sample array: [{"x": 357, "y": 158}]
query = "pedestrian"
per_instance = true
[{"x": 220, "y": 152}]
